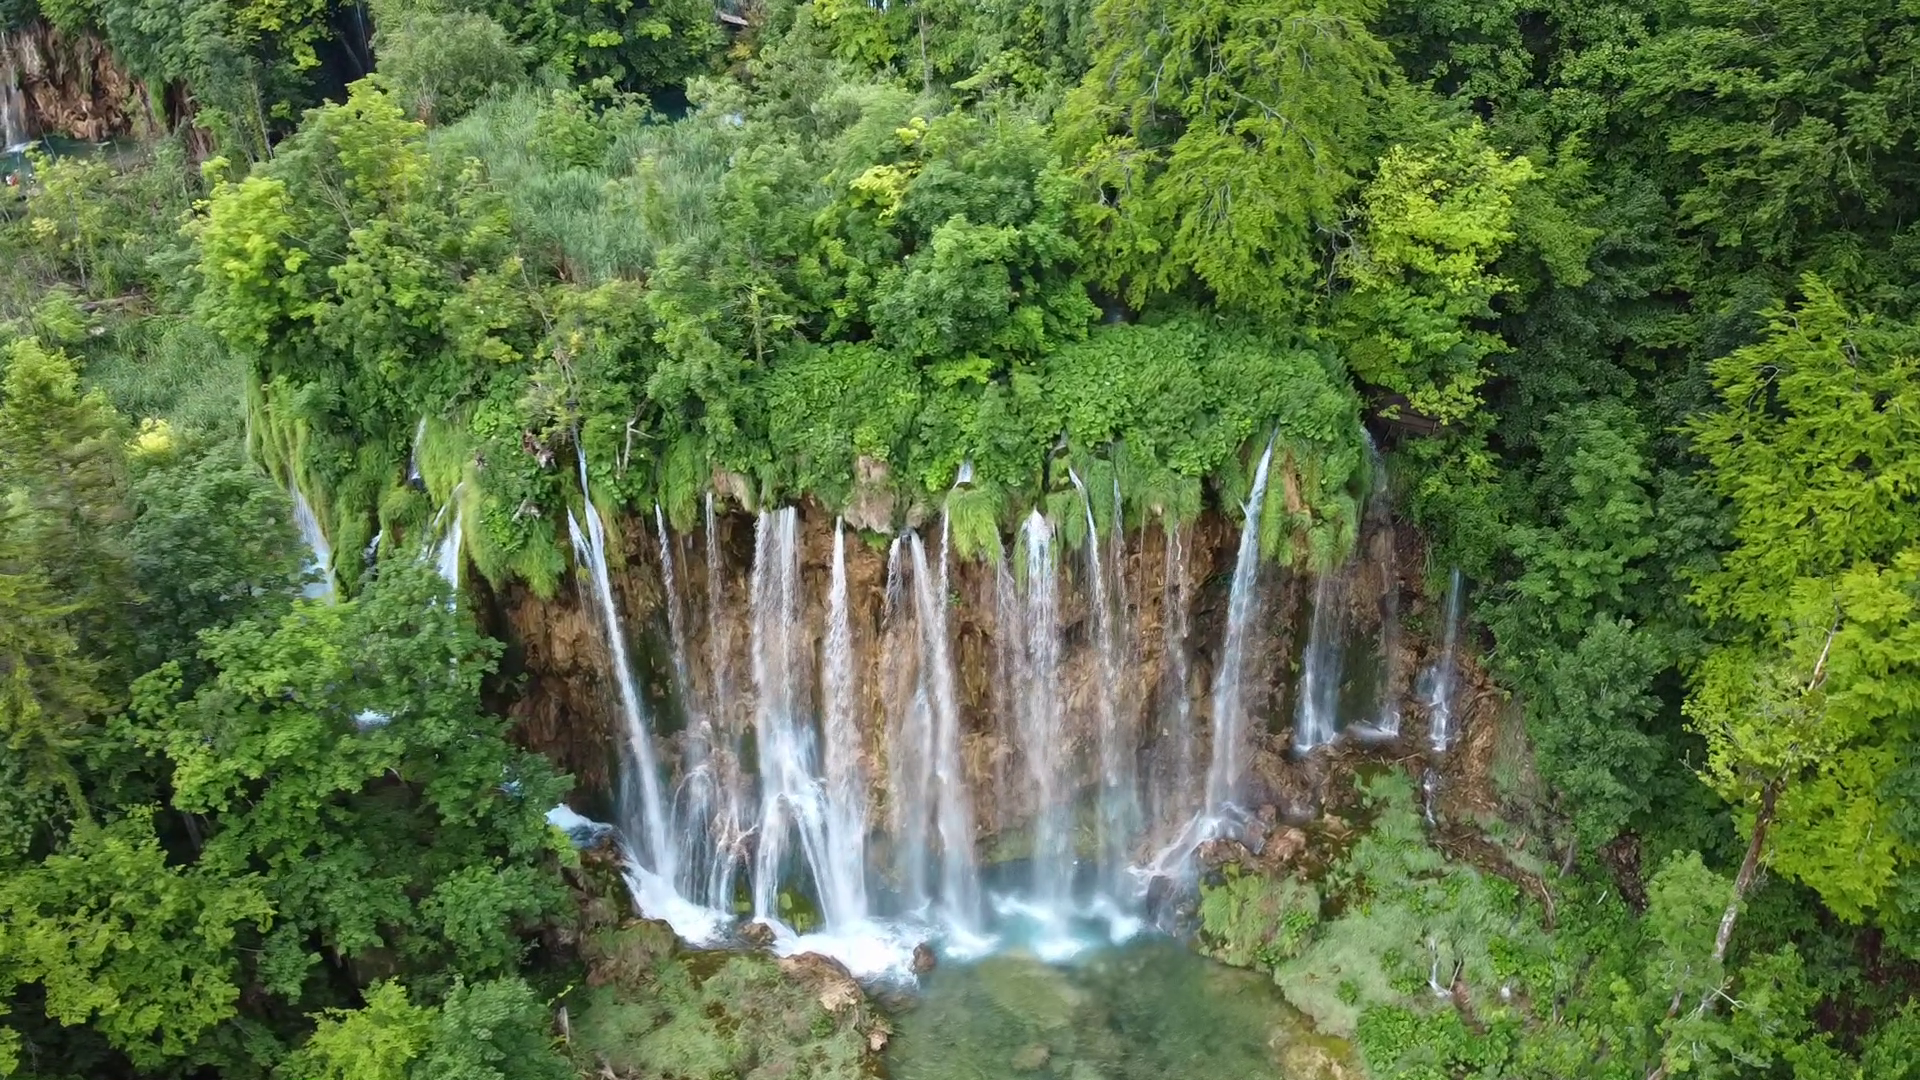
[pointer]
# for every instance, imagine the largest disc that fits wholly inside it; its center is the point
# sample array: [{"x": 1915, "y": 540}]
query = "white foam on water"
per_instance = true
[{"x": 657, "y": 899}]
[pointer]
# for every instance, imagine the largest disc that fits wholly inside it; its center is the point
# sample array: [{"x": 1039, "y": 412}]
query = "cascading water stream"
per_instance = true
[
  {"x": 1317, "y": 710},
  {"x": 13, "y": 105},
  {"x": 792, "y": 802},
  {"x": 844, "y": 884},
  {"x": 1119, "y": 804},
  {"x": 653, "y": 830},
  {"x": 446, "y": 554},
  {"x": 1440, "y": 680},
  {"x": 694, "y": 802},
  {"x": 1229, "y": 753},
  {"x": 316, "y": 540},
  {"x": 953, "y": 810},
  {"x": 1179, "y": 777},
  {"x": 1042, "y": 744},
  {"x": 1227, "y": 761},
  {"x": 727, "y": 780}
]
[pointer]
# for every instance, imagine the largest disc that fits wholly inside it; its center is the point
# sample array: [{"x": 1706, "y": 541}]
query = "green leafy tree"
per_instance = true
[
  {"x": 116, "y": 938},
  {"x": 442, "y": 64},
  {"x": 341, "y": 752},
  {"x": 1217, "y": 142}
]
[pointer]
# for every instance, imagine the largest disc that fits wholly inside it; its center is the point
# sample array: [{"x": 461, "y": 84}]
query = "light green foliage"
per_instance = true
[
  {"x": 1815, "y": 693},
  {"x": 442, "y": 64},
  {"x": 493, "y": 1030},
  {"x": 117, "y": 939},
  {"x": 1217, "y": 139},
  {"x": 1432, "y": 224},
  {"x": 1251, "y": 920}
]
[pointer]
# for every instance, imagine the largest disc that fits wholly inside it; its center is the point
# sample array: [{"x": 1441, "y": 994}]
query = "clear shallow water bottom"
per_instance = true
[{"x": 1147, "y": 1010}]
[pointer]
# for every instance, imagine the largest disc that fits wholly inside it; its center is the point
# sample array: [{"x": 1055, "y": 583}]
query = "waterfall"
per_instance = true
[
  {"x": 694, "y": 803},
  {"x": 1316, "y": 713},
  {"x": 727, "y": 781},
  {"x": 413, "y": 455},
  {"x": 1229, "y": 712},
  {"x": 910, "y": 741},
  {"x": 13, "y": 104},
  {"x": 1178, "y": 775},
  {"x": 1119, "y": 806},
  {"x": 844, "y": 885},
  {"x": 316, "y": 540},
  {"x": 1440, "y": 680},
  {"x": 446, "y": 555},
  {"x": 1042, "y": 743},
  {"x": 652, "y": 830},
  {"x": 953, "y": 811},
  {"x": 792, "y": 803}
]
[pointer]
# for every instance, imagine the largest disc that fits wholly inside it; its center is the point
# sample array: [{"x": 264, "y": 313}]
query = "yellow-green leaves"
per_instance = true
[
  {"x": 1420, "y": 270},
  {"x": 1817, "y": 689}
]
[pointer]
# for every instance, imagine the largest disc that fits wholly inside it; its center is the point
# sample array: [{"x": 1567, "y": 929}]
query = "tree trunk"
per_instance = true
[{"x": 1742, "y": 881}]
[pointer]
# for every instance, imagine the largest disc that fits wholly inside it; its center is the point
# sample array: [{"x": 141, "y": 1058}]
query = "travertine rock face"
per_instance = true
[{"x": 555, "y": 676}]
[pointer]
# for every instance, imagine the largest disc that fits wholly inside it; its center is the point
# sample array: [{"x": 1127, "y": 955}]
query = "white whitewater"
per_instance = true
[
  {"x": 446, "y": 554},
  {"x": 13, "y": 107},
  {"x": 651, "y": 833},
  {"x": 792, "y": 803},
  {"x": 844, "y": 879},
  {"x": 952, "y": 804},
  {"x": 1228, "y": 764},
  {"x": 1042, "y": 745},
  {"x": 316, "y": 539},
  {"x": 1440, "y": 681},
  {"x": 1316, "y": 710}
]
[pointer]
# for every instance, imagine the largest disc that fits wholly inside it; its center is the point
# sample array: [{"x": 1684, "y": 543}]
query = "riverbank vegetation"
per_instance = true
[{"x": 1623, "y": 291}]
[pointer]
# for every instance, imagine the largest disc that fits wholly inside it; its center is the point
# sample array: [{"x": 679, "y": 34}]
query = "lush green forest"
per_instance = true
[{"x": 1624, "y": 290}]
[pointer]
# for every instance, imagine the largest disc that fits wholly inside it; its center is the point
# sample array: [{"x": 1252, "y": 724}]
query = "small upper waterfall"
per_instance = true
[
  {"x": 1228, "y": 764},
  {"x": 446, "y": 554},
  {"x": 1439, "y": 682},
  {"x": 649, "y": 829},
  {"x": 13, "y": 107},
  {"x": 1316, "y": 712},
  {"x": 316, "y": 539}
]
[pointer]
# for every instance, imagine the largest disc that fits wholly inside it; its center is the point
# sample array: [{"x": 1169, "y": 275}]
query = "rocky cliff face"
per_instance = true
[
  {"x": 556, "y": 680},
  {"x": 72, "y": 86}
]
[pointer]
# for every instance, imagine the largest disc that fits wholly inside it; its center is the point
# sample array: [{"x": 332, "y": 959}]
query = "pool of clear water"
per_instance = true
[{"x": 1150, "y": 1009}]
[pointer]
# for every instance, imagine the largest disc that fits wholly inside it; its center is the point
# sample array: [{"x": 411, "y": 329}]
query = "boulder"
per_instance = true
[
  {"x": 924, "y": 960},
  {"x": 826, "y": 977},
  {"x": 757, "y": 935}
]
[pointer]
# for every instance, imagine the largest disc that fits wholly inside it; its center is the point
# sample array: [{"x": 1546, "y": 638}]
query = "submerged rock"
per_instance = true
[{"x": 1032, "y": 1058}]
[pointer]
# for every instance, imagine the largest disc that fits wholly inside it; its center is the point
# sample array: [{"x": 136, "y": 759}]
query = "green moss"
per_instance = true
[
  {"x": 659, "y": 1011},
  {"x": 1250, "y": 920}
]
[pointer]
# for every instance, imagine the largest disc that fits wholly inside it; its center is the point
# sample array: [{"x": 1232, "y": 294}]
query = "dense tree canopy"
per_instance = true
[{"x": 1623, "y": 291}]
